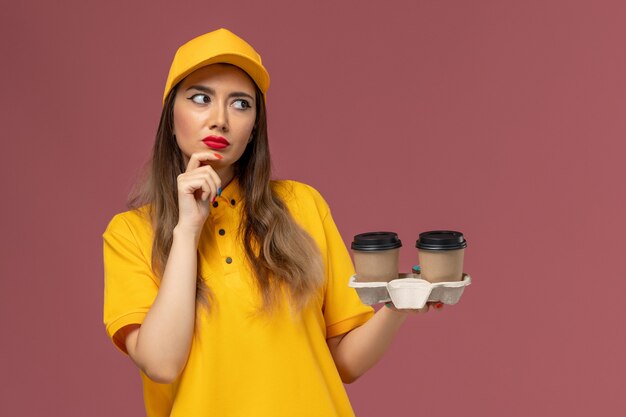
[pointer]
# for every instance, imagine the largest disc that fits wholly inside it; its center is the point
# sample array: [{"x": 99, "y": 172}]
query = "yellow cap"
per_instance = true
[{"x": 219, "y": 46}]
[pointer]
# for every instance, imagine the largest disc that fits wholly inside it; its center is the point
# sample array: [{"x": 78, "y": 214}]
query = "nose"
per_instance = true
[{"x": 218, "y": 117}]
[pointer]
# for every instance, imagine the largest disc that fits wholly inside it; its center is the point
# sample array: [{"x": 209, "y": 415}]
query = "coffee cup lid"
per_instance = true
[
  {"x": 374, "y": 241},
  {"x": 441, "y": 240}
]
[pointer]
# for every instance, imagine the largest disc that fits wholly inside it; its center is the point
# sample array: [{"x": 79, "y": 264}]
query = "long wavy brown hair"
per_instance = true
[{"x": 280, "y": 253}]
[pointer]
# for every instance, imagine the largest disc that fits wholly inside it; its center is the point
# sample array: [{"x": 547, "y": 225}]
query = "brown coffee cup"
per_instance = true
[
  {"x": 376, "y": 256},
  {"x": 441, "y": 255}
]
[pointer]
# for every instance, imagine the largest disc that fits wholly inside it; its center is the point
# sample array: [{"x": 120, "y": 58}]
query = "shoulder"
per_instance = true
[
  {"x": 132, "y": 224},
  {"x": 305, "y": 197}
]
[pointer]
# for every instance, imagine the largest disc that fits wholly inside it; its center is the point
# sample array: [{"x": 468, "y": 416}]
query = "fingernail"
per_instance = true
[
  {"x": 218, "y": 156},
  {"x": 213, "y": 201},
  {"x": 219, "y": 191}
]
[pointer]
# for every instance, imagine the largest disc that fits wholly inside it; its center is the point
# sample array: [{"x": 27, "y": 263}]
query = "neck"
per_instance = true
[{"x": 226, "y": 175}]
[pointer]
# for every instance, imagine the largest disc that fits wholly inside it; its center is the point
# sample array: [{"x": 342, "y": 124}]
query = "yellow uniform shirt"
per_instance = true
[{"x": 241, "y": 363}]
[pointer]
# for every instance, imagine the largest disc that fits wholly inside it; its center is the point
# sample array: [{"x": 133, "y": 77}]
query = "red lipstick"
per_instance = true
[{"x": 215, "y": 142}]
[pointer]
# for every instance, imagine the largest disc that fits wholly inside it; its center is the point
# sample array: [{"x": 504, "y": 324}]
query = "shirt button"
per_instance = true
[
  {"x": 222, "y": 232},
  {"x": 232, "y": 202},
  {"x": 229, "y": 260},
  {"x": 215, "y": 204}
]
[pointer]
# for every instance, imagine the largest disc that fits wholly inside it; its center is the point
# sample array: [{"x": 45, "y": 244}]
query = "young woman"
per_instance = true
[{"x": 229, "y": 291}]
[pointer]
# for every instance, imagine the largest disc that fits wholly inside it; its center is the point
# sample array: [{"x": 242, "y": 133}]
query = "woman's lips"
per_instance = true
[{"x": 215, "y": 142}]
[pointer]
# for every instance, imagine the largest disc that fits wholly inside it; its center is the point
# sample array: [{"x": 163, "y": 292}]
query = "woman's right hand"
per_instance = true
[{"x": 197, "y": 188}]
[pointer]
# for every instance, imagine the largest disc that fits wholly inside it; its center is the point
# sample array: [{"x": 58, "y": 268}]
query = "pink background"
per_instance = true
[{"x": 503, "y": 119}]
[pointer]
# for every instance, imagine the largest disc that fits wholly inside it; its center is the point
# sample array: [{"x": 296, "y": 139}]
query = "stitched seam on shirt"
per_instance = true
[
  {"x": 132, "y": 232},
  {"x": 137, "y": 245},
  {"x": 133, "y": 242},
  {"x": 358, "y": 319},
  {"x": 118, "y": 318}
]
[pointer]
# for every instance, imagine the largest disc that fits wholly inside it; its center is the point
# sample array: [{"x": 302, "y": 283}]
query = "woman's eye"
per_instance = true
[
  {"x": 199, "y": 98},
  {"x": 241, "y": 104}
]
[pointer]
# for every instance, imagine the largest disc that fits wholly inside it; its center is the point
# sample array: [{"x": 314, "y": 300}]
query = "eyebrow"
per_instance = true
[{"x": 209, "y": 90}]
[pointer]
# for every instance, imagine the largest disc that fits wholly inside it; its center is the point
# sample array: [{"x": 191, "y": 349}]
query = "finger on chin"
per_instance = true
[{"x": 202, "y": 158}]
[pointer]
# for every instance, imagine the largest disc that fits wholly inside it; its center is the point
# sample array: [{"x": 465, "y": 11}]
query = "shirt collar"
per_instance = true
[{"x": 232, "y": 193}]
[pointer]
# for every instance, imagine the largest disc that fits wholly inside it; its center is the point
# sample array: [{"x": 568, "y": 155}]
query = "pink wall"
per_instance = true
[{"x": 503, "y": 119}]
